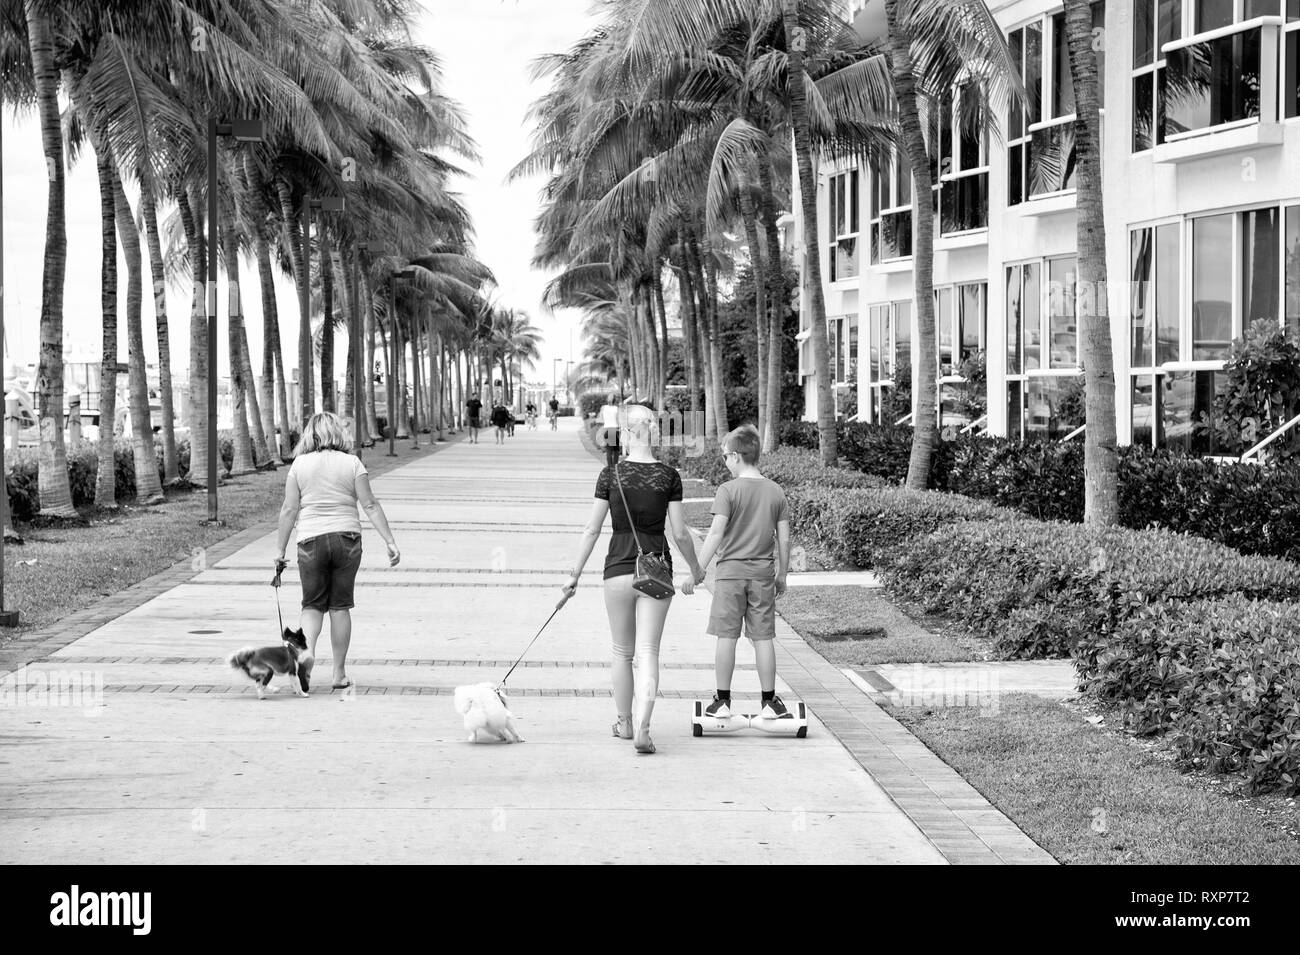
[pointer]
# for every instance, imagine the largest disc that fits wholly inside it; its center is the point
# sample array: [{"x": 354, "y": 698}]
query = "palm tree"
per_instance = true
[
  {"x": 1100, "y": 456},
  {"x": 55, "y": 490}
]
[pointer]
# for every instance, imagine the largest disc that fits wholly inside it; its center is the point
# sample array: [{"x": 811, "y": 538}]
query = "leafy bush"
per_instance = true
[
  {"x": 742, "y": 407},
  {"x": 1039, "y": 589},
  {"x": 791, "y": 467},
  {"x": 592, "y": 402},
  {"x": 1261, "y": 393},
  {"x": 1223, "y": 675},
  {"x": 798, "y": 434}
]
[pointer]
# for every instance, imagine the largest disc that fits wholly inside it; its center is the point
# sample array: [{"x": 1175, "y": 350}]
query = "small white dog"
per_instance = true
[{"x": 484, "y": 708}]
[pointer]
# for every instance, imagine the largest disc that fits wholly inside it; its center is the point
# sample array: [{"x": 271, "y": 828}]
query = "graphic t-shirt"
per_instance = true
[
  {"x": 649, "y": 487},
  {"x": 753, "y": 507}
]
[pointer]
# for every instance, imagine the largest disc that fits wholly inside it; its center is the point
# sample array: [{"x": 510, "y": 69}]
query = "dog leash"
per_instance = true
[
  {"x": 280, "y": 566},
  {"x": 563, "y": 601}
]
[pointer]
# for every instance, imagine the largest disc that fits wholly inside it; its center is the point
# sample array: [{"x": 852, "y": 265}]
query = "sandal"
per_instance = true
[
  {"x": 343, "y": 684},
  {"x": 623, "y": 727},
  {"x": 646, "y": 748}
]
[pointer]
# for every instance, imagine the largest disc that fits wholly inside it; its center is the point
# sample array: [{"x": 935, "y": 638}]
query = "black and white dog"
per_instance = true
[{"x": 259, "y": 664}]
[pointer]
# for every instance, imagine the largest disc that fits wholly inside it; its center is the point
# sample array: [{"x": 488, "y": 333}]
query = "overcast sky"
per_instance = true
[{"x": 486, "y": 47}]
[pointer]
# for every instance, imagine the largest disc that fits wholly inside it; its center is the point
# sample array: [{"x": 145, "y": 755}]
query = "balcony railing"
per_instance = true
[{"x": 1220, "y": 79}]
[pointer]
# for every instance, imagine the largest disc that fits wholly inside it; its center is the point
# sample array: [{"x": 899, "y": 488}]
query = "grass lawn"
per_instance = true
[
  {"x": 62, "y": 568},
  {"x": 856, "y": 626},
  {"x": 1088, "y": 795}
]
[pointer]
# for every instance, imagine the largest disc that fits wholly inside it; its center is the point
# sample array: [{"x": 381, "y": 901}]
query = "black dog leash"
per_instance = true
[
  {"x": 280, "y": 566},
  {"x": 563, "y": 601}
]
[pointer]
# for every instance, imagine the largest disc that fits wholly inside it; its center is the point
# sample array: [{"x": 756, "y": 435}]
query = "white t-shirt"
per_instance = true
[
  {"x": 609, "y": 414},
  {"x": 327, "y": 486}
]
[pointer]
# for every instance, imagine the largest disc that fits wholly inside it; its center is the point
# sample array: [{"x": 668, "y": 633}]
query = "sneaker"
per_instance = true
[
  {"x": 775, "y": 710},
  {"x": 718, "y": 708}
]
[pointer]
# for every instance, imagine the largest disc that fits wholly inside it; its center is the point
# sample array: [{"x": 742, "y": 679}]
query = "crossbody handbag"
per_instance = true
[{"x": 652, "y": 576}]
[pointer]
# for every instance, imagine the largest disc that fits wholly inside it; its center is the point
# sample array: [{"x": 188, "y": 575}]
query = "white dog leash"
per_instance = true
[{"x": 563, "y": 601}]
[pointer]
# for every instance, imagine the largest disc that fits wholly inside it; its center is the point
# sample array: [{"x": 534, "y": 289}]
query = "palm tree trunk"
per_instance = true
[
  {"x": 458, "y": 400},
  {"x": 262, "y": 454},
  {"x": 345, "y": 317},
  {"x": 924, "y": 425},
  {"x": 812, "y": 268},
  {"x": 243, "y": 448},
  {"x": 148, "y": 488},
  {"x": 327, "y": 402},
  {"x": 1100, "y": 456},
  {"x": 52, "y": 461},
  {"x": 702, "y": 336},
  {"x": 106, "y": 470},
  {"x": 306, "y": 383},
  {"x": 715, "y": 344},
  {"x": 368, "y": 333},
  {"x": 690, "y": 345},
  {"x": 149, "y": 212},
  {"x": 657, "y": 285},
  {"x": 758, "y": 380},
  {"x": 403, "y": 412},
  {"x": 776, "y": 306},
  {"x": 198, "y": 383},
  {"x": 272, "y": 358}
]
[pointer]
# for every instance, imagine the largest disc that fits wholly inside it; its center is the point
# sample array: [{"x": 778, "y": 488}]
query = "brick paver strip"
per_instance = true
[{"x": 37, "y": 645}]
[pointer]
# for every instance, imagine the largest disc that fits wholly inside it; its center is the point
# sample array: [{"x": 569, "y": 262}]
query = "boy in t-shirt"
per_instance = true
[{"x": 751, "y": 537}]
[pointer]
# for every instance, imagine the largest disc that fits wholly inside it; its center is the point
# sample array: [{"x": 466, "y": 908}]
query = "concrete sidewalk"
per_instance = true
[{"x": 175, "y": 760}]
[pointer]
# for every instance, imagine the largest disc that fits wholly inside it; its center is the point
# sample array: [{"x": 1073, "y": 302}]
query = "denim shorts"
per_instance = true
[{"x": 327, "y": 566}]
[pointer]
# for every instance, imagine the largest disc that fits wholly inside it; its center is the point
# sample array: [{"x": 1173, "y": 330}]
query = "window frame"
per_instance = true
[
  {"x": 851, "y": 181},
  {"x": 1047, "y": 26},
  {"x": 1025, "y": 376},
  {"x": 957, "y": 171},
  {"x": 889, "y": 339},
  {"x": 876, "y": 216}
]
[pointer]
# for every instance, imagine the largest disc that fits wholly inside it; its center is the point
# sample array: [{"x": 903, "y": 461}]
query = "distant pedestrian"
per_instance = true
[
  {"x": 554, "y": 412},
  {"x": 500, "y": 419},
  {"x": 475, "y": 407},
  {"x": 325, "y": 484},
  {"x": 530, "y": 415},
  {"x": 609, "y": 424}
]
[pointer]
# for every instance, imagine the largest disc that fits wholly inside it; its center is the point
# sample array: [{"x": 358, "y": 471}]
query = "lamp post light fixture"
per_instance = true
[
  {"x": 243, "y": 131},
  {"x": 394, "y": 277}
]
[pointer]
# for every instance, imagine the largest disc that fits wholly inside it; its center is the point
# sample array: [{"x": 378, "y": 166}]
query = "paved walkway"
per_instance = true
[{"x": 174, "y": 760}]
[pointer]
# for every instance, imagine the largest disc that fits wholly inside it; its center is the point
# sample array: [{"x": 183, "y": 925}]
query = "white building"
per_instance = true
[{"x": 1202, "y": 220}]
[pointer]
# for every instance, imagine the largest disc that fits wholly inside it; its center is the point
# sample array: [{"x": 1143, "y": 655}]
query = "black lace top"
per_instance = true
[{"x": 649, "y": 487}]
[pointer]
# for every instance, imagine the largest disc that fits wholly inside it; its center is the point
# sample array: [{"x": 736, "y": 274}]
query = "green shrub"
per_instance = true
[
  {"x": 1223, "y": 675},
  {"x": 1067, "y": 582},
  {"x": 798, "y": 434},
  {"x": 742, "y": 407},
  {"x": 592, "y": 402},
  {"x": 791, "y": 467}
]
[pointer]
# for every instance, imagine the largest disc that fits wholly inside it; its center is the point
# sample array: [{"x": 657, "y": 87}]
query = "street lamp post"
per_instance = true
[
  {"x": 358, "y": 364},
  {"x": 555, "y": 387},
  {"x": 244, "y": 131},
  {"x": 393, "y": 376}
]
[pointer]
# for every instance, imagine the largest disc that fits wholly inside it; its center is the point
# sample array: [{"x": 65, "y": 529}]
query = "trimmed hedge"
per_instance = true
[
  {"x": 1038, "y": 589},
  {"x": 1222, "y": 675}
]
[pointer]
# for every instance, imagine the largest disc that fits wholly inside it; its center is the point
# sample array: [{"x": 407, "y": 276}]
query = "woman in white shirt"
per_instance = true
[{"x": 325, "y": 484}]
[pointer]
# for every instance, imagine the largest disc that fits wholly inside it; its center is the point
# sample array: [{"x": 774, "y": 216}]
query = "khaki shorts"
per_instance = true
[{"x": 751, "y": 602}]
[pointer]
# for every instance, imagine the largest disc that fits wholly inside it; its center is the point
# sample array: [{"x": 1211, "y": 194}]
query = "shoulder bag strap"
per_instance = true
[{"x": 630, "y": 522}]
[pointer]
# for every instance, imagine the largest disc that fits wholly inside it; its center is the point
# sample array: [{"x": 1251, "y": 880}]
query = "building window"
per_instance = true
[
  {"x": 1044, "y": 388},
  {"x": 889, "y": 362},
  {"x": 1291, "y": 66},
  {"x": 842, "y": 225},
  {"x": 891, "y": 208},
  {"x": 842, "y": 334},
  {"x": 961, "y": 316},
  {"x": 1190, "y": 77},
  {"x": 1040, "y": 133},
  {"x": 1244, "y": 268},
  {"x": 961, "y": 170}
]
